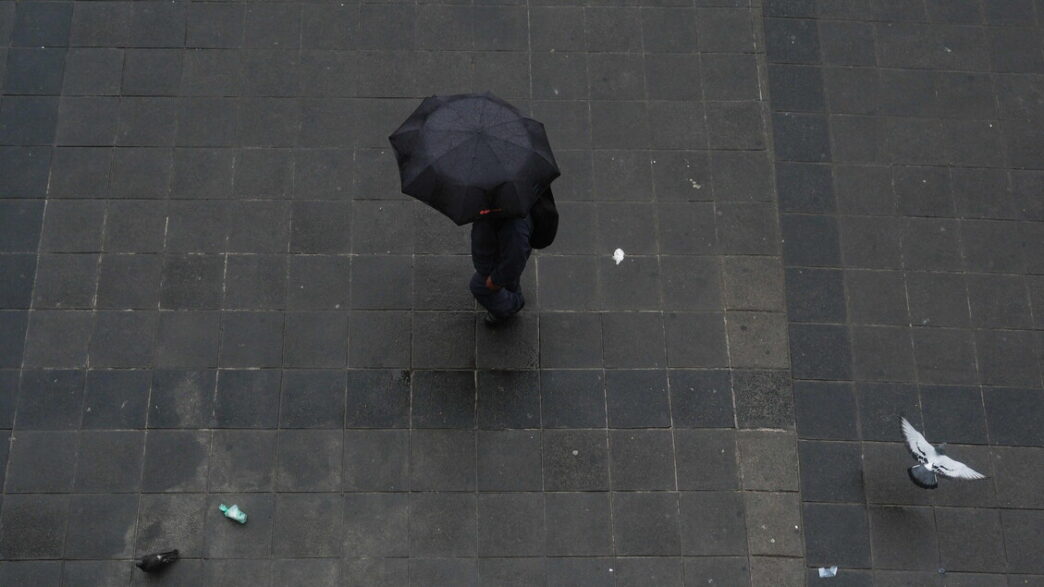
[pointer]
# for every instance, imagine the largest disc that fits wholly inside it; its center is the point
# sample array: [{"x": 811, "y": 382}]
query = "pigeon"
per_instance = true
[
  {"x": 932, "y": 460},
  {"x": 150, "y": 563}
]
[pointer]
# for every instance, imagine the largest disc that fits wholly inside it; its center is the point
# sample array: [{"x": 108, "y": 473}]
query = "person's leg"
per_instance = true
[{"x": 501, "y": 303}]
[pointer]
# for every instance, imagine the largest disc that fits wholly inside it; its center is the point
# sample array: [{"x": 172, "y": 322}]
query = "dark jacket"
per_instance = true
[{"x": 500, "y": 248}]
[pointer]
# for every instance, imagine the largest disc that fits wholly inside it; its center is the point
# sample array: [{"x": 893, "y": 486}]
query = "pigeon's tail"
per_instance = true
[{"x": 923, "y": 477}]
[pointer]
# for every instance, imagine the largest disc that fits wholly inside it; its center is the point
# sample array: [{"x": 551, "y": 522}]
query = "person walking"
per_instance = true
[{"x": 499, "y": 251}]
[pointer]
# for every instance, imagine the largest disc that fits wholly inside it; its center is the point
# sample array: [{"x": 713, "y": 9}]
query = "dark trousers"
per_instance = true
[{"x": 501, "y": 303}]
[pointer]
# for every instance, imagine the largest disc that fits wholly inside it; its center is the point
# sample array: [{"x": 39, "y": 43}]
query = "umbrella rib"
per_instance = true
[{"x": 528, "y": 147}]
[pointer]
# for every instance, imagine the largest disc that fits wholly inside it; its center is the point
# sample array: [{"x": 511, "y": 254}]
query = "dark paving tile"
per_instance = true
[
  {"x": 944, "y": 356},
  {"x": 641, "y": 460},
  {"x": 705, "y": 459},
  {"x": 35, "y": 70},
  {"x": 873, "y": 243},
  {"x": 570, "y": 340},
  {"x": 255, "y": 282},
  {"x": 998, "y": 301},
  {"x": 308, "y": 460},
  {"x": 508, "y": 399},
  {"x": 443, "y": 524},
  {"x": 442, "y": 460},
  {"x": 836, "y": 534},
  {"x": 109, "y": 461},
  {"x": 791, "y": 41},
  {"x": 307, "y": 525},
  {"x": 92, "y": 71},
  {"x": 444, "y": 340},
  {"x": 176, "y": 460},
  {"x": 820, "y": 352},
  {"x": 379, "y": 524},
  {"x": 63, "y": 280},
  {"x": 767, "y": 460},
  {"x": 242, "y": 460},
  {"x": 690, "y": 283},
  {"x": 379, "y": 339},
  {"x": 512, "y": 571},
  {"x": 86, "y": 121},
  {"x": 378, "y": 399},
  {"x": 100, "y": 526},
  {"x": 1020, "y": 530},
  {"x": 47, "y": 332},
  {"x": 319, "y": 571},
  {"x": 903, "y": 538},
  {"x": 712, "y": 523},
  {"x": 24, "y": 475},
  {"x": 701, "y": 399},
  {"x": 646, "y": 523},
  {"x": 1010, "y": 414},
  {"x": 882, "y": 353},
  {"x": 831, "y": 471},
  {"x": 637, "y": 399},
  {"x": 238, "y": 572},
  {"x": 443, "y": 399},
  {"x": 883, "y": 484},
  {"x": 100, "y": 572},
  {"x": 699, "y": 570},
  {"x": 315, "y": 339},
  {"x": 509, "y": 460},
  {"x": 181, "y": 399},
  {"x": 773, "y": 523},
  {"x": 979, "y": 550},
  {"x": 954, "y": 413},
  {"x": 937, "y": 299},
  {"x": 50, "y": 400},
  {"x": 33, "y": 526},
  {"x": 313, "y": 398},
  {"x": 247, "y": 399},
  {"x": 164, "y": 520},
  {"x": 729, "y": 76},
  {"x": 115, "y": 399},
  {"x": 12, "y": 337},
  {"x": 510, "y": 524},
  {"x": 1007, "y": 358},
  {"x": 825, "y": 410},
  {"x": 763, "y": 399},
  {"x": 575, "y": 460},
  {"x": 815, "y": 295},
  {"x": 578, "y": 524},
  {"x": 251, "y": 339},
  {"x": 810, "y": 241},
  {"x": 376, "y": 460},
  {"x": 707, "y": 350},
  {"x": 28, "y": 120},
  {"x": 317, "y": 282},
  {"x": 881, "y": 405}
]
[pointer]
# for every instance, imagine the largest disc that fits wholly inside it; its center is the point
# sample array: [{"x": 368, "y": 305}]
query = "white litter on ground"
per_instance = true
[
  {"x": 618, "y": 255},
  {"x": 825, "y": 572}
]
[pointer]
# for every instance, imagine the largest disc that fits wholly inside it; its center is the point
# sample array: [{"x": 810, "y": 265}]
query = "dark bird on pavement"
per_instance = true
[
  {"x": 932, "y": 461},
  {"x": 150, "y": 563}
]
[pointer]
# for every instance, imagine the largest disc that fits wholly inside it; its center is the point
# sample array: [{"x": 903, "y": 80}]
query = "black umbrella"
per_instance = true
[{"x": 473, "y": 156}]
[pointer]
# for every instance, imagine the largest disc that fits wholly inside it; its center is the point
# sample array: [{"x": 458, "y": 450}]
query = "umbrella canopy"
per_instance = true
[{"x": 473, "y": 156}]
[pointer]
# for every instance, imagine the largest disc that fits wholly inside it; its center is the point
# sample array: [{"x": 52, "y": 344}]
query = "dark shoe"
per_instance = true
[{"x": 492, "y": 321}]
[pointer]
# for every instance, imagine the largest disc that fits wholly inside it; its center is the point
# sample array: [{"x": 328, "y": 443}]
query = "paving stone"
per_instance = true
[
  {"x": 18, "y": 291},
  {"x": 836, "y": 534},
  {"x": 712, "y": 523},
  {"x": 171, "y": 519},
  {"x": 954, "y": 413},
  {"x": 791, "y": 40},
  {"x": 320, "y": 571},
  {"x": 28, "y": 120},
  {"x": 313, "y": 398},
  {"x": 980, "y": 550},
  {"x": 175, "y": 460},
  {"x": 25, "y": 171},
  {"x": 251, "y": 339},
  {"x": 378, "y": 524},
  {"x": 735, "y": 125},
  {"x": 315, "y": 339},
  {"x": 1006, "y": 358},
  {"x": 93, "y": 71},
  {"x": 726, "y": 570},
  {"x": 774, "y": 523},
  {"x": 33, "y": 526},
  {"x": 881, "y": 405},
  {"x": 882, "y": 353},
  {"x": 443, "y": 524},
  {"x": 756, "y": 339},
  {"x": 509, "y": 460},
  {"x": 376, "y": 460},
  {"x": 586, "y": 469},
  {"x": 109, "y": 461},
  {"x": 701, "y": 399},
  {"x": 247, "y": 399},
  {"x": 35, "y": 70},
  {"x": 307, "y": 524},
  {"x": 50, "y": 400},
  {"x": 831, "y": 471},
  {"x": 443, "y": 399},
  {"x": 766, "y": 460},
  {"x": 1010, "y": 414},
  {"x": 690, "y": 283},
  {"x": 820, "y": 351},
  {"x": 684, "y": 350},
  {"x": 239, "y": 572},
  {"x": 508, "y": 399},
  {"x": 779, "y": 571},
  {"x": 242, "y": 460},
  {"x": 444, "y": 340},
  {"x": 379, "y": 339},
  {"x": 763, "y": 399},
  {"x": 187, "y": 340},
  {"x": 637, "y": 399},
  {"x": 378, "y": 399},
  {"x": 100, "y": 572},
  {"x": 308, "y": 460},
  {"x": 645, "y": 523},
  {"x": 100, "y": 526},
  {"x": 747, "y": 229},
  {"x": 442, "y": 460},
  {"x": 937, "y": 299},
  {"x": 882, "y": 485},
  {"x": 903, "y": 537},
  {"x": 510, "y": 524},
  {"x": 825, "y": 410},
  {"x": 65, "y": 281},
  {"x": 28, "y": 449},
  {"x": 641, "y": 460},
  {"x": 815, "y": 295},
  {"x": 86, "y": 121},
  {"x": 512, "y": 347},
  {"x": 570, "y": 340},
  {"x": 115, "y": 399},
  {"x": 226, "y": 539}
]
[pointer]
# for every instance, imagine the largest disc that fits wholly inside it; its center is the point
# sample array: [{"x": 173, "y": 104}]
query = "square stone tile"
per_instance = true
[
  {"x": 31, "y": 526},
  {"x": 882, "y": 353},
  {"x": 442, "y": 460},
  {"x": 980, "y": 550},
  {"x": 109, "y": 461},
  {"x": 443, "y": 399},
  {"x": 642, "y": 460},
  {"x": 307, "y": 524},
  {"x": 708, "y": 349},
  {"x": 825, "y": 410},
  {"x": 717, "y": 569},
  {"x": 575, "y": 460},
  {"x": 774, "y": 523},
  {"x": 378, "y": 399},
  {"x": 578, "y": 524},
  {"x": 192, "y": 282},
  {"x": 443, "y": 524},
  {"x": 251, "y": 339},
  {"x": 646, "y": 523},
  {"x": 508, "y": 399},
  {"x": 763, "y": 399},
  {"x": 954, "y": 413},
  {"x": 712, "y": 523},
  {"x": 50, "y": 400},
  {"x": 379, "y": 339},
  {"x": 643, "y": 344},
  {"x": 242, "y": 460},
  {"x": 701, "y": 399},
  {"x": 831, "y": 471},
  {"x": 509, "y": 460},
  {"x": 767, "y": 460},
  {"x": 637, "y": 399},
  {"x": 225, "y": 538},
  {"x": 29, "y": 449},
  {"x": 815, "y": 295},
  {"x": 1009, "y": 416},
  {"x": 378, "y": 524},
  {"x": 135, "y": 226},
  {"x": 747, "y": 229},
  {"x": 65, "y": 281},
  {"x": 129, "y": 282},
  {"x": 313, "y": 398},
  {"x": 706, "y": 459},
  {"x": 444, "y": 340},
  {"x": 164, "y": 519},
  {"x": 100, "y": 525},
  {"x": 876, "y": 297},
  {"x": 570, "y": 340},
  {"x": 510, "y": 524},
  {"x": 115, "y": 399},
  {"x": 757, "y": 339},
  {"x": 176, "y": 461},
  {"x": 187, "y": 339},
  {"x": 903, "y": 538},
  {"x": 836, "y": 534},
  {"x": 514, "y": 346},
  {"x": 691, "y": 283},
  {"x": 820, "y": 351},
  {"x": 507, "y": 571},
  {"x": 93, "y": 71},
  {"x": 955, "y": 366},
  {"x": 308, "y": 460},
  {"x": 255, "y": 282},
  {"x": 1006, "y": 358},
  {"x": 376, "y": 460},
  {"x": 729, "y": 76},
  {"x": 1019, "y": 530},
  {"x": 315, "y": 339}
]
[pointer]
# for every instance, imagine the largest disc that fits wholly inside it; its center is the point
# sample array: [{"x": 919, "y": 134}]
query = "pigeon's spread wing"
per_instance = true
[
  {"x": 919, "y": 447},
  {"x": 955, "y": 469}
]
